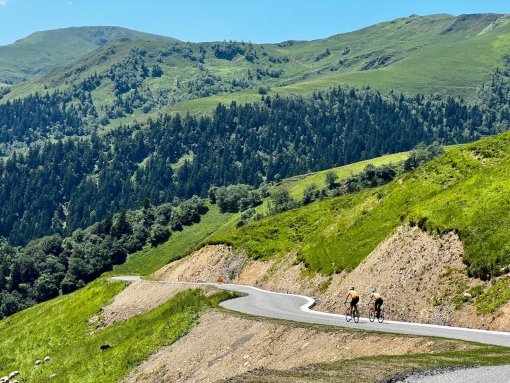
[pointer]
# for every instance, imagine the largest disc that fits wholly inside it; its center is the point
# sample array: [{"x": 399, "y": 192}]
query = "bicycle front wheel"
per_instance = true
[
  {"x": 356, "y": 315},
  {"x": 348, "y": 317},
  {"x": 371, "y": 314}
]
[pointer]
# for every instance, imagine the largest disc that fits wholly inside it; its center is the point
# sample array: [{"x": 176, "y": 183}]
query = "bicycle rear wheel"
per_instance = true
[
  {"x": 356, "y": 315},
  {"x": 381, "y": 316}
]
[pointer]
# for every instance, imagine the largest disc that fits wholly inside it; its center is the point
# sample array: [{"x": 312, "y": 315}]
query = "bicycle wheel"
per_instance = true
[
  {"x": 381, "y": 316},
  {"x": 371, "y": 314},
  {"x": 348, "y": 317},
  {"x": 356, "y": 315}
]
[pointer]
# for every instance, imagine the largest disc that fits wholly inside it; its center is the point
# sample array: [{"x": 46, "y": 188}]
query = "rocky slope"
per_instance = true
[
  {"x": 421, "y": 278},
  {"x": 211, "y": 354}
]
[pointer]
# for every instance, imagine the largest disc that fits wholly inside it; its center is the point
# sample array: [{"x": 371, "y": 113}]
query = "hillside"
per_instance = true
[
  {"x": 53, "y": 265},
  {"x": 142, "y": 337},
  {"x": 120, "y": 162},
  {"x": 448, "y": 194},
  {"x": 41, "y": 52},
  {"x": 430, "y": 54},
  {"x": 439, "y": 231},
  {"x": 177, "y": 157}
]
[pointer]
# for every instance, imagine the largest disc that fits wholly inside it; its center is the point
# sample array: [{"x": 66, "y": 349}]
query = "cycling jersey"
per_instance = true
[
  {"x": 353, "y": 294},
  {"x": 375, "y": 296}
]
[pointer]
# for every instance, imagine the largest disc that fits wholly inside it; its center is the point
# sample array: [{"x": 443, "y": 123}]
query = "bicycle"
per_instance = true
[
  {"x": 372, "y": 314},
  {"x": 348, "y": 316}
]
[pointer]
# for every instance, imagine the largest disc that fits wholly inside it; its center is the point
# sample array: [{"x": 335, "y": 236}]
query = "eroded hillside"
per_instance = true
[{"x": 421, "y": 277}]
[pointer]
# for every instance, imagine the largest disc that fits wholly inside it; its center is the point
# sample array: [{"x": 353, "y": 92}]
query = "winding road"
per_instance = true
[{"x": 298, "y": 308}]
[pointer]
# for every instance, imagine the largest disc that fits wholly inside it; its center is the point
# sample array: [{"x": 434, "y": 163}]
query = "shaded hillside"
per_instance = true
[
  {"x": 41, "y": 52},
  {"x": 78, "y": 182}
]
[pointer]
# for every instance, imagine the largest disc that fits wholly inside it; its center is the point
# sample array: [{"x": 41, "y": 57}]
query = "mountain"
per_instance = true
[
  {"x": 40, "y": 52},
  {"x": 163, "y": 157},
  {"x": 106, "y": 321},
  {"x": 417, "y": 54},
  {"x": 93, "y": 188}
]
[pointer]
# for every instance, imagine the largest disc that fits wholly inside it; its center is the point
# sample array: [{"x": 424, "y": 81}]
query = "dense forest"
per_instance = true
[
  {"x": 57, "y": 187},
  {"x": 39, "y": 117},
  {"x": 50, "y": 266},
  {"x": 76, "y": 111}
]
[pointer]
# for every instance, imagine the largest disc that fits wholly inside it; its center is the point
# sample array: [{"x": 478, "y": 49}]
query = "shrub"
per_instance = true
[
  {"x": 281, "y": 201},
  {"x": 236, "y": 198},
  {"x": 159, "y": 234},
  {"x": 311, "y": 193}
]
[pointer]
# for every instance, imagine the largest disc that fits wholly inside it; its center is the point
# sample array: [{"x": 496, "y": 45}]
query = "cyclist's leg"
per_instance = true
[
  {"x": 354, "y": 305},
  {"x": 378, "y": 304}
]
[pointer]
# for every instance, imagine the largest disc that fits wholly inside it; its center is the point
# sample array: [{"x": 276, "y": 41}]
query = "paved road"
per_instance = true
[
  {"x": 464, "y": 375},
  {"x": 297, "y": 308}
]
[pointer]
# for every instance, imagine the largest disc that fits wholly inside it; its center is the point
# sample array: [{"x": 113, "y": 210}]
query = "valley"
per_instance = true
[{"x": 149, "y": 186}]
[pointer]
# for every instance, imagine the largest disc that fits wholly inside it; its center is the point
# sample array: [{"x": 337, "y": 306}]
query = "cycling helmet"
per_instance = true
[
  {"x": 351, "y": 289},
  {"x": 374, "y": 290}
]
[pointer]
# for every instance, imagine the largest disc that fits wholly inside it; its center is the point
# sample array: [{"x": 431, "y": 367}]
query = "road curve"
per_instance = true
[{"x": 297, "y": 308}]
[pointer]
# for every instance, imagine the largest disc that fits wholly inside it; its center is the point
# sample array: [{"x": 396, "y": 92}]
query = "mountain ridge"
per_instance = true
[
  {"x": 411, "y": 55},
  {"x": 42, "y": 51}
]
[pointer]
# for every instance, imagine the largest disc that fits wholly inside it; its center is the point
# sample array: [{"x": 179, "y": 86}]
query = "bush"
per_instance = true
[
  {"x": 311, "y": 193},
  {"x": 331, "y": 178},
  {"x": 212, "y": 194},
  {"x": 156, "y": 71},
  {"x": 281, "y": 201},
  {"x": 246, "y": 216},
  {"x": 263, "y": 89},
  {"x": 421, "y": 154},
  {"x": 46, "y": 287},
  {"x": 189, "y": 212},
  {"x": 159, "y": 234},
  {"x": 235, "y": 198}
]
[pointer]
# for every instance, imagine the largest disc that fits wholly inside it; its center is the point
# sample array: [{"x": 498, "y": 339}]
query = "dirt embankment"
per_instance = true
[
  {"x": 211, "y": 354},
  {"x": 417, "y": 274},
  {"x": 136, "y": 299}
]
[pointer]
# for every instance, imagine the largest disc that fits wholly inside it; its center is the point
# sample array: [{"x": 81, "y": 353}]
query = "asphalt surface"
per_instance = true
[
  {"x": 465, "y": 375},
  {"x": 297, "y": 308}
]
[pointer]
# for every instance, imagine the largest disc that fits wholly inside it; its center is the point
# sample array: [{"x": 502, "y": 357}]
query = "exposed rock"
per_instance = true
[{"x": 416, "y": 273}]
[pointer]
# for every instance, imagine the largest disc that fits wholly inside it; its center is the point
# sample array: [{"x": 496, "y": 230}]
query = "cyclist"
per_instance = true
[
  {"x": 354, "y": 299},
  {"x": 377, "y": 302}
]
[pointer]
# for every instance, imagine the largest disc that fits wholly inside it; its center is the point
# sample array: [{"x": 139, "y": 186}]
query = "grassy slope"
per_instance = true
[
  {"x": 214, "y": 223},
  {"x": 179, "y": 245},
  {"x": 297, "y": 184},
  {"x": 425, "y": 61},
  {"x": 466, "y": 190},
  {"x": 420, "y": 58},
  {"x": 60, "y": 328},
  {"x": 43, "y": 51}
]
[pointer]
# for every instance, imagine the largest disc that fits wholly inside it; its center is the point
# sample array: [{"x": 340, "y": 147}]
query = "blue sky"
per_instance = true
[{"x": 207, "y": 20}]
